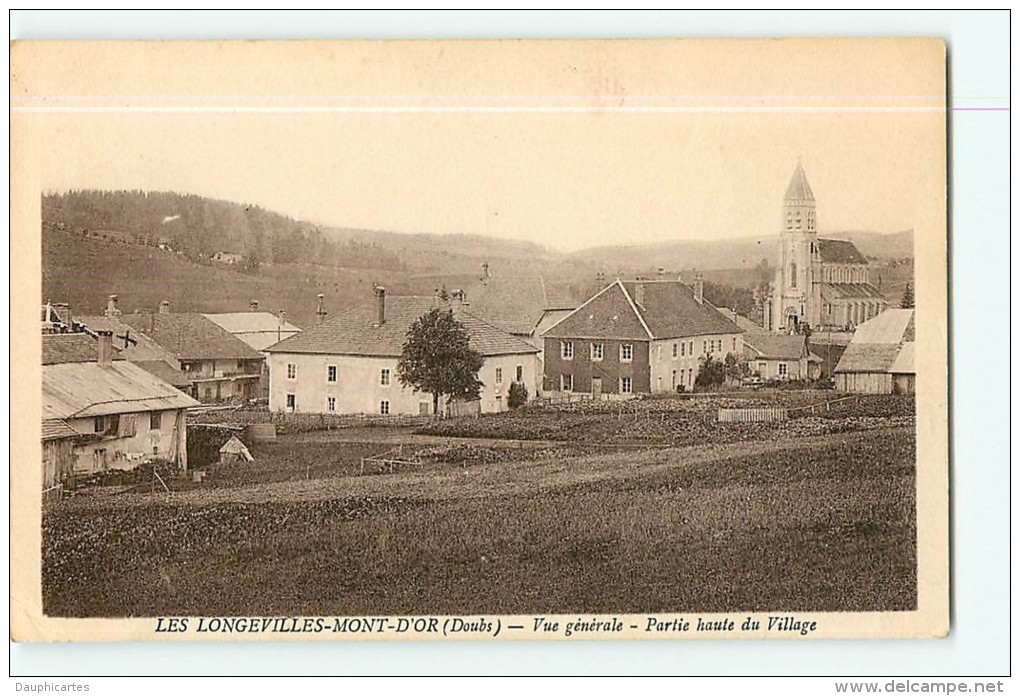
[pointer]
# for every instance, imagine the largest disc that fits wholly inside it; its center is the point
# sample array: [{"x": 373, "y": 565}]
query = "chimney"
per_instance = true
[
  {"x": 164, "y": 307},
  {"x": 699, "y": 288},
  {"x": 639, "y": 294},
  {"x": 380, "y": 305},
  {"x": 253, "y": 306},
  {"x": 279, "y": 325},
  {"x": 63, "y": 311},
  {"x": 111, "y": 307},
  {"x": 105, "y": 348},
  {"x": 319, "y": 311}
]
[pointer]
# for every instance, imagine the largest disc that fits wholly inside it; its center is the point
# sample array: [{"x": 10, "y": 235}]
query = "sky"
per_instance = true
[{"x": 570, "y": 148}]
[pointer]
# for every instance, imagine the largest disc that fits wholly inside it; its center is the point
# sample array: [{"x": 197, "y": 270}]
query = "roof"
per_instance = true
[
  {"x": 851, "y": 291},
  {"x": 799, "y": 189},
  {"x": 839, "y": 251},
  {"x": 517, "y": 303},
  {"x": 250, "y": 322},
  {"x": 642, "y": 310},
  {"x": 355, "y": 332},
  {"x": 191, "y": 336},
  {"x": 70, "y": 348},
  {"x": 890, "y": 326},
  {"x": 740, "y": 320},
  {"x": 58, "y": 429},
  {"x": 130, "y": 343},
  {"x": 165, "y": 371},
  {"x": 777, "y": 346},
  {"x": 878, "y": 343},
  {"x": 82, "y": 390},
  {"x": 258, "y": 329},
  {"x": 904, "y": 363}
]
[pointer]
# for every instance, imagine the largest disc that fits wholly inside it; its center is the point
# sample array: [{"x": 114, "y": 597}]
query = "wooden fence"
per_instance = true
[
  {"x": 751, "y": 415},
  {"x": 302, "y": 421}
]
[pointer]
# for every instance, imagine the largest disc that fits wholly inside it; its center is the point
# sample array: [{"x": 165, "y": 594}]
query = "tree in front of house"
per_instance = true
[
  {"x": 711, "y": 373},
  {"x": 734, "y": 367},
  {"x": 437, "y": 359},
  {"x": 518, "y": 395},
  {"x": 908, "y": 297}
]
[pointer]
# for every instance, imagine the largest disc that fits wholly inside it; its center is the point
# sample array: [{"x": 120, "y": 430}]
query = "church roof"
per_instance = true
[
  {"x": 851, "y": 291},
  {"x": 799, "y": 189},
  {"x": 839, "y": 251}
]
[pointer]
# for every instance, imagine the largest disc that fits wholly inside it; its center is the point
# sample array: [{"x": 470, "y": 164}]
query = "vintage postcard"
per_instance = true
[{"x": 498, "y": 340}]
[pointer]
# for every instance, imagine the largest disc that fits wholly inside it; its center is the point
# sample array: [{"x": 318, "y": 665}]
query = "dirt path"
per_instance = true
[{"x": 515, "y": 478}]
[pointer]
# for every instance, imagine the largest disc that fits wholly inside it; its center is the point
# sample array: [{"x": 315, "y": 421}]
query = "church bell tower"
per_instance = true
[{"x": 793, "y": 292}]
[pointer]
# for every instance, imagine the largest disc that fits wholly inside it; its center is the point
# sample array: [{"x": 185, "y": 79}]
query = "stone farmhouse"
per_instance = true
[{"x": 637, "y": 337}]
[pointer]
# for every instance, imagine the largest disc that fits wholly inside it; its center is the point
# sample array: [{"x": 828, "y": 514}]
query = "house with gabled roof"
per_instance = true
[
  {"x": 131, "y": 344},
  {"x": 348, "y": 363},
  {"x": 219, "y": 366},
  {"x": 102, "y": 412},
  {"x": 637, "y": 337},
  {"x": 258, "y": 329},
  {"x": 774, "y": 356},
  {"x": 880, "y": 357}
]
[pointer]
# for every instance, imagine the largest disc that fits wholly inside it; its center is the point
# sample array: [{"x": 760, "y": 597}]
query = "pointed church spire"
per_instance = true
[{"x": 799, "y": 189}]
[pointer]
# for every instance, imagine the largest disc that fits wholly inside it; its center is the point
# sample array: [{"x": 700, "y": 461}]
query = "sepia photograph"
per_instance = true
[{"x": 481, "y": 339}]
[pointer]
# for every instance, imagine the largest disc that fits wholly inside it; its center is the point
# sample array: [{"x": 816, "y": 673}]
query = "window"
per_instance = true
[
  {"x": 673, "y": 383},
  {"x": 626, "y": 386},
  {"x": 658, "y": 352},
  {"x": 598, "y": 351},
  {"x": 566, "y": 383},
  {"x": 384, "y": 377},
  {"x": 690, "y": 348},
  {"x": 291, "y": 371},
  {"x": 331, "y": 373},
  {"x": 762, "y": 367},
  {"x": 704, "y": 347},
  {"x": 734, "y": 344},
  {"x": 384, "y": 407},
  {"x": 107, "y": 425},
  {"x": 782, "y": 369},
  {"x": 331, "y": 404},
  {"x": 520, "y": 373},
  {"x": 676, "y": 347},
  {"x": 291, "y": 401},
  {"x": 567, "y": 350},
  {"x": 683, "y": 348},
  {"x": 155, "y": 420},
  {"x": 627, "y": 352},
  {"x": 499, "y": 375},
  {"x": 793, "y": 275}
]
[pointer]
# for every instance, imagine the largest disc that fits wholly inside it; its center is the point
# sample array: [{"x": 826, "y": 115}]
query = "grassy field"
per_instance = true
[{"x": 812, "y": 523}]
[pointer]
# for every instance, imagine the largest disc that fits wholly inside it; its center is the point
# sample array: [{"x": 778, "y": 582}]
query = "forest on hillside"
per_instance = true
[{"x": 199, "y": 228}]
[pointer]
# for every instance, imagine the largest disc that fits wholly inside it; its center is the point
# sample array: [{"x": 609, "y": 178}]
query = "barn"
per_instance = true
[{"x": 880, "y": 357}]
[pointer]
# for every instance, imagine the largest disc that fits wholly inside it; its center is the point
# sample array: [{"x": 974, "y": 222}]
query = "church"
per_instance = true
[{"x": 819, "y": 283}]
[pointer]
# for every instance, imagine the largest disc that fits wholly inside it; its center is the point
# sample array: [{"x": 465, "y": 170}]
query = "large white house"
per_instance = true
[{"x": 348, "y": 364}]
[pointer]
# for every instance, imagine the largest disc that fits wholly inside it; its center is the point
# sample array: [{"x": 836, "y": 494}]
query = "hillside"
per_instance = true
[
  {"x": 746, "y": 252},
  {"x": 150, "y": 246}
]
